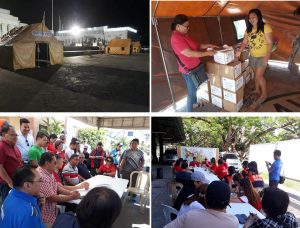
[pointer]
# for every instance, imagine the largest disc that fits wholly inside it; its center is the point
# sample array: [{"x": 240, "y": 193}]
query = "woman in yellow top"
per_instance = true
[{"x": 259, "y": 38}]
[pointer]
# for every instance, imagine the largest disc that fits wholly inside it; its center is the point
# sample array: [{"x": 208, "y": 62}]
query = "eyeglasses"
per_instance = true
[
  {"x": 81, "y": 157},
  {"x": 27, "y": 142},
  {"x": 108, "y": 161}
]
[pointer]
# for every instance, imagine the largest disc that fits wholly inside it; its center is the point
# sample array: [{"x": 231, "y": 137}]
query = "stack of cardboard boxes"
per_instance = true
[{"x": 227, "y": 79}]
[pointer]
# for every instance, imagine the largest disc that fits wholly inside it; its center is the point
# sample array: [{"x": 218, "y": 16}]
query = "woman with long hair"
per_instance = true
[
  {"x": 250, "y": 195},
  {"x": 258, "y": 37},
  {"x": 188, "y": 53}
]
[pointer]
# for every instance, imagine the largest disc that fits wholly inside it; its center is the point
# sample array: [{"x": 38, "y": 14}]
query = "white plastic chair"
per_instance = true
[
  {"x": 175, "y": 189},
  {"x": 141, "y": 187},
  {"x": 167, "y": 210}
]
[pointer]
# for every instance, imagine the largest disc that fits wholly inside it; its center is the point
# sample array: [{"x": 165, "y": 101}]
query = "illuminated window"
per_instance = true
[{"x": 240, "y": 26}]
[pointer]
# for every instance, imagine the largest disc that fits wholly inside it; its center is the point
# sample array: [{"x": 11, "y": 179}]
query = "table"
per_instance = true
[
  {"x": 117, "y": 184},
  {"x": 243, "y": 208},
  {"x": 208, "y": 175}
]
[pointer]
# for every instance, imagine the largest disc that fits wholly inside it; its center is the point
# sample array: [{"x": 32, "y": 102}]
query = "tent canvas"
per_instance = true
[
  {"x": 210, "y": 22},
  {"x": 18, "y": 47},
  {"x": 119, "y": 47},
  {"x": 136, "y": 46}
]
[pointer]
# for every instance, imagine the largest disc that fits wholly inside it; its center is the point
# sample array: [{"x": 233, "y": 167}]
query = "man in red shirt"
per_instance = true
[
  {"x": 108, "y": 169},
  {"x": 221, "y": 171},
  {"x": 194, "y": 163},
  {"x": 97, "y": 158},
  {"x": 10, "y": 160}
]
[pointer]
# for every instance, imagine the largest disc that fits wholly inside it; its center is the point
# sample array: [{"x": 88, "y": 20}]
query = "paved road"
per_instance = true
[{"x": 103, "y": 83}]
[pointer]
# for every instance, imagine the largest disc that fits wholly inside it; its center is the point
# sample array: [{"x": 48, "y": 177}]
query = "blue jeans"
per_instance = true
[{"x": 192, "y": 92}]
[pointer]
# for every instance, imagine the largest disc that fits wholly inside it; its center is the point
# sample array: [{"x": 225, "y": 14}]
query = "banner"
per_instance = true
[{"x": 187, "y": 153}]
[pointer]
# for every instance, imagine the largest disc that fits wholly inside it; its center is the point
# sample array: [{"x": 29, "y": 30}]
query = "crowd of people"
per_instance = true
[
  {"x": 201, "y": 199},
  {"x": 38, "y": 174}
]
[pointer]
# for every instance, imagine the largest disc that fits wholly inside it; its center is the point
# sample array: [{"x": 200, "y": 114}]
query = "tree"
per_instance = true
[
  {"x": 236, "y": 134},
  {"x": 52, "y": 126},
  {"x": 92, "y": 135}
]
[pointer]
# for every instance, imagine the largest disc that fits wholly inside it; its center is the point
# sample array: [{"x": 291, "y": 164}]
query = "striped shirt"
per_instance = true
[
  {"x": 134, "y": 160},
  {"x": 71, "y": 172}
]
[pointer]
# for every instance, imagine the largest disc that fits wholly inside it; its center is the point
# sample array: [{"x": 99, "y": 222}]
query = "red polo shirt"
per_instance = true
[
  {"x": 10, "y": 158},
  {"x": 221, "y": 171},
  {"x": 181, "y": 42}
]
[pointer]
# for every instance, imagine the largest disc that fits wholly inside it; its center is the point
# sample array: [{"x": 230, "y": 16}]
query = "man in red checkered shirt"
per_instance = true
[{"x": 53, "y": 193}]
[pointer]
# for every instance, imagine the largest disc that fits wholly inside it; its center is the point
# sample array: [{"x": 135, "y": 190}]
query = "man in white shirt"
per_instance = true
[
  {"x": 71, "y": 149},
  {"x": 217, "y": 198},
  {"x": 25, "y": 140}
]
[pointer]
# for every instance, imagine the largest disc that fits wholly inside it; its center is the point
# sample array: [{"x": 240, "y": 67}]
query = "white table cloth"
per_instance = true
[
  {"x": 117, "y": 184},
  {"x": 208, "y": 175},
  {"x": 243, "y": 208}
]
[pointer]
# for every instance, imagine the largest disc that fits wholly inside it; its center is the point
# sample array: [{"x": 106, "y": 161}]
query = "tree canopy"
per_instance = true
[{"x": 236, "y": 134}]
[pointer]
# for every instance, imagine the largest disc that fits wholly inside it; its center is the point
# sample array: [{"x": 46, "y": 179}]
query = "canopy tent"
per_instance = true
[
  {"x": 18, "y": 47},
  {"x": 119, "y": 47},
  {"x": 212, "y": 22}
]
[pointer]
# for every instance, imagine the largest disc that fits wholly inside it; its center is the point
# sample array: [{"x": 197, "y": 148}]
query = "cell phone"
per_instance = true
[{"x": 242, "y": 218}]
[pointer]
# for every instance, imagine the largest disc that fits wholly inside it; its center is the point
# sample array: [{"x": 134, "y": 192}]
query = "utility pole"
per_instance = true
[{"x": 52, "y": 17}]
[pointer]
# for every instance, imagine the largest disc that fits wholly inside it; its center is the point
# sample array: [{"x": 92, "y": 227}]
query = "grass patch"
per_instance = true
[{"x": 288, "y": 183}]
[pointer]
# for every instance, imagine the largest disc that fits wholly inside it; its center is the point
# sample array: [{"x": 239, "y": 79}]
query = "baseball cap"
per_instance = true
[
  {"x": 119, "y": 144},
  {"x": 199, "y": 176},
  {"x": 85, "y": 147},
  {"x": 217, "y": 195},
  {"x": 74, "y": 141}
]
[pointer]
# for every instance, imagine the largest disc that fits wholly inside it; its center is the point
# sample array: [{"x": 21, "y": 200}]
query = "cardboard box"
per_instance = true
[
  {"x": 233, "y": 84},
  {"x": 231, "y": 70},
  {"x": 247, "y": 78},
  {"x": 217, "y": 91},
  {"x": 224, "y": 56},
  {"x": 244, "y": 65},
  {"x": 217, "y": 101},
  {"x": 203, "y": 91},
  {"x": 234, "y": 97},
  {"x": 244, "y": 55},
  {"x": 230, "y": 107},
  {"x": 215, "y": 80}
]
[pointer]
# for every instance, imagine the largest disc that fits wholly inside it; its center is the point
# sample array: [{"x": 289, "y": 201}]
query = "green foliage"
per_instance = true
[
  {"x": 92, "y": 135},
  {"x": 236, "y": 134},
  {"x": 52, "y": 126}
]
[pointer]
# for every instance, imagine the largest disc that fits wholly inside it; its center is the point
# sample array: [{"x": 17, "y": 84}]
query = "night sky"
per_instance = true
[{"x": 85, "y": 13}]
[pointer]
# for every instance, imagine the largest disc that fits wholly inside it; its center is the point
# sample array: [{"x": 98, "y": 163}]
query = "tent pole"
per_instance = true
[
  {"x": 154, "y": 22},
  {"x": 219, "y": 20},
  {"x": 38, "y": 51}
]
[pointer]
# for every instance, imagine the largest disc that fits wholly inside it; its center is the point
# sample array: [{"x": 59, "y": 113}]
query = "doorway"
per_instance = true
[{"x": 42, "y": 57}]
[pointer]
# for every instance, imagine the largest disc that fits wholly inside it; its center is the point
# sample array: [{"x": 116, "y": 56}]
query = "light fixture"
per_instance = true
[{"x": 75, "y": 30}]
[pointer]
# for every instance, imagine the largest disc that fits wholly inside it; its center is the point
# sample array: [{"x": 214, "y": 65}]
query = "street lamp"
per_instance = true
[{"x": 52, "y": 17}]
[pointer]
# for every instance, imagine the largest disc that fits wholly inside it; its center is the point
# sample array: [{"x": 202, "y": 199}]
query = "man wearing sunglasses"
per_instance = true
[
  {"x": 25, "y": 139},
  {"x": 25, "y": 194}
]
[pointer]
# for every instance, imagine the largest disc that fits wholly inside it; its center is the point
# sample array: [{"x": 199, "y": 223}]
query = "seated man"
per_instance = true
[
  {"x": 70, "y": 172},
  {"x": 82, "y": 167},
  {"x": 21, "y": 206},
  {"x": 184, "y": 176},
  {"x": 198, "y": 179},
  {"x": 54, "y": 193},
  {"x": 275, "y": 203},
  {"x": 108, "y": 169},
  {"x": 217, "y": 199}
]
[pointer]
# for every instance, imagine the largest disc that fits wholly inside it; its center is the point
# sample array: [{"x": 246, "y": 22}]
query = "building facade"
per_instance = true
[
  {"x": 8, "y": 22},
  {"x": 96, "y": 36}
]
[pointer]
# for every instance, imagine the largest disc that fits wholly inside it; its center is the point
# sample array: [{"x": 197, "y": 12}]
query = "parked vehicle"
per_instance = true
[
  {"x": 231, "y": 159},
  {"x": 170, "y": 156}
]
